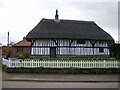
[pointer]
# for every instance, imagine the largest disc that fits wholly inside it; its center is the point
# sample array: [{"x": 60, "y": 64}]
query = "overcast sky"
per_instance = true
[{"x": 21, "y": 16}]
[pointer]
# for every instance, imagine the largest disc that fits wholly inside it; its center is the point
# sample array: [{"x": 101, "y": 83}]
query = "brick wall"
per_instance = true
[{"x": 19, "y": 50}]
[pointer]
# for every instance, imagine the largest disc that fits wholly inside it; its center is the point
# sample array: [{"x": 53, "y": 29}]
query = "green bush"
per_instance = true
[
  {"x": 7, "y": 55},
  {"x": 115, "y": 51},
  {"x": 71, "y": 70},
  {"x": 23, "y": 55}
]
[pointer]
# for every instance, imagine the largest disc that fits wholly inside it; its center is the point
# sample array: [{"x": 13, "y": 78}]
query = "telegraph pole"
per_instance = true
[{"x": 8, "y": 39}]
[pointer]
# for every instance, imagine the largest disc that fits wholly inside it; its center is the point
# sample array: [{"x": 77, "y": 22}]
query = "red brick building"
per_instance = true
[
  {"x": 17, "y": 49},
  {"x": 6, "y": 50},
  {"x": 21, "y": 47}
]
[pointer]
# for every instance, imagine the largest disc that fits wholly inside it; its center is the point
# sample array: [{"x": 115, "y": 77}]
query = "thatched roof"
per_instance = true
[{"x": 68, "y": 29}]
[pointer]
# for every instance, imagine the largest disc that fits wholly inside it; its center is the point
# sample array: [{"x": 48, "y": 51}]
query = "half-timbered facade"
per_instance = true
[{"x": 56, "y": 38}]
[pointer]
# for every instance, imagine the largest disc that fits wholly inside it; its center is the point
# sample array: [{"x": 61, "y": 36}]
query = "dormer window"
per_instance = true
[
  {"x": 100, "y": 42},
  {"x": 80, "y": 41}
]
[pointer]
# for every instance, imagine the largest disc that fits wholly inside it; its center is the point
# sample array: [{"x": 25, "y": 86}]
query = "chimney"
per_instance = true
[
  {"x": 24, "y": 39},
  {"x": 56, "y": 16},
  {"x": 56, "y": 20}
]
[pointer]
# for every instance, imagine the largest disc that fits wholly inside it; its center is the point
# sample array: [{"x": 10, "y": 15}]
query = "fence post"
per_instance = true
[
  {"x": 81, "y": 64},
  {"x": 8, "y": 62},
  {"x": 32, "y": 63},
  {"x": 104, "y": 64},
  {"x": 2, "y": 61},
  {"x": 57, "y": 63}
]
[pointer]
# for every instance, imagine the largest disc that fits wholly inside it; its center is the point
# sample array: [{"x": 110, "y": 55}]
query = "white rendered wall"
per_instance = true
[{"x": 43, "y": 47}]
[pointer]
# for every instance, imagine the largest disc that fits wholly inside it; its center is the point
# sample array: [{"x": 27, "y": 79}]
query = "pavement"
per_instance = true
[{"x": 60, "y": 77}]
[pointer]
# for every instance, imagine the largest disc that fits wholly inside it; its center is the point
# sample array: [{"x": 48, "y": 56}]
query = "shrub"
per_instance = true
[
  {"x": 115, "y": 51},
  {"x": 23, "y": 55},
  {"x": 7, "y": 55},
  {"x": 71, "y": 70}
]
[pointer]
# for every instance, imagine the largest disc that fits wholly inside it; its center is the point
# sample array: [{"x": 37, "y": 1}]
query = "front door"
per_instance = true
[{"x": 52, "y": 51}]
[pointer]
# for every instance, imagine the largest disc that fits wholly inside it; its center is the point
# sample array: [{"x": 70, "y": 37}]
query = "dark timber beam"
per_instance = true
[
  {"x": 56, "y": 41},
  {"x": 93, "y": 44},
  {"x": 33, "y": 41},
  {"x": 109, "y": 43},
  {"x": 71, "y": 42}
]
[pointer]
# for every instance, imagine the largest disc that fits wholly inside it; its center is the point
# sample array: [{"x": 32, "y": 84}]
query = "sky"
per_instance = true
[{"x": 20, "y": 16}]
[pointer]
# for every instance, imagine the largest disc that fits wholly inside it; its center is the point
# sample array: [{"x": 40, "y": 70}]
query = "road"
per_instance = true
[{"x": 21, "y": 84}]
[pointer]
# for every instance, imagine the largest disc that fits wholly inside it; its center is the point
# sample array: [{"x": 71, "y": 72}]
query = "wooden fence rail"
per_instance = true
[{"x": 60, "y": 64}]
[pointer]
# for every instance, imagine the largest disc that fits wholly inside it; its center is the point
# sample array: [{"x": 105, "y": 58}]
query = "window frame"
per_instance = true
[
  {"x": 101, "y": 50},
  {"x": 19, "y": 49},
  {"x": 79, "y": 41},
  {"x": 101, "y": 42}
]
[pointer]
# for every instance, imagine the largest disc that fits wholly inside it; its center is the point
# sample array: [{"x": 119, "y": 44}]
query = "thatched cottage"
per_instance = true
[{"x": 69, "y": 38}]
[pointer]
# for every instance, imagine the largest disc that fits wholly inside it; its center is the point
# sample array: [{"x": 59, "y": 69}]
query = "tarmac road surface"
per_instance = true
[{"x": 23, "y": 84}]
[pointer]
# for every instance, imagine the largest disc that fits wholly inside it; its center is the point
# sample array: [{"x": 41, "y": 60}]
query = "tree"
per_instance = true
[{"x": 115, "y": 51}]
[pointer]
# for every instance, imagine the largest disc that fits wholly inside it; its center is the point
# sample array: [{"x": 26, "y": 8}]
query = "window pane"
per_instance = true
[
  {"x": 100, "y": 42},
  {"x": 101, "y": 49},
  {"x": 80, "y": 41}
]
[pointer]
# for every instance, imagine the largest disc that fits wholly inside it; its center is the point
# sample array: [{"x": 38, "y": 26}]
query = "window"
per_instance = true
[
  {"x": 19, "y": 49},
  {"x": 80, "y": 41},
  {"x": 101, "y": 50},
  {"x": 100, "y": 42}
]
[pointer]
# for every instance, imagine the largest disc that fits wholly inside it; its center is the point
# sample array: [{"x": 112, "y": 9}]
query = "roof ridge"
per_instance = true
[
  {"x": 68, "y": 20},
  {"x": 22, "y": 41},
  {"x": 17, "y": 43}
]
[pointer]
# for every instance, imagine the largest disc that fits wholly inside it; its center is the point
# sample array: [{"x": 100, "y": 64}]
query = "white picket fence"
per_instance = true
[{"x": 61, "y": 64}]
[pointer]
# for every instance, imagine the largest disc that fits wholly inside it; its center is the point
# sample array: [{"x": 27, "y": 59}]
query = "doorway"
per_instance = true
[{"x": 52, "y": 51}]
